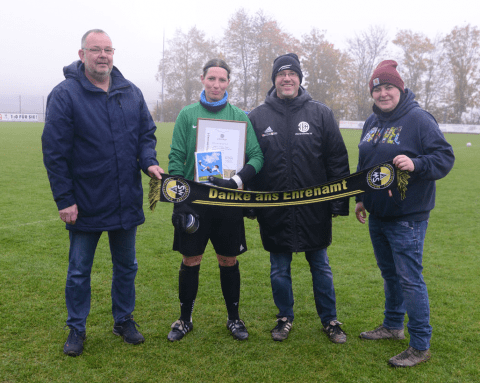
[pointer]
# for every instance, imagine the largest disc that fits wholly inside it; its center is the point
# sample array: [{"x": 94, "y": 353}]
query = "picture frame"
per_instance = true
[{"x": 229, "y": 137}]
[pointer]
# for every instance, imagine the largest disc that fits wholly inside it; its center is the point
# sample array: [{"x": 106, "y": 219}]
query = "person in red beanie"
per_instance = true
[{"x": 398, "y": 128}]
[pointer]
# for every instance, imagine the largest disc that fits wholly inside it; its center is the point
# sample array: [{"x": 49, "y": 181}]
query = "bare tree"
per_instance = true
[
  {"x": 422, "y": 68},
  {"x": 415, "y": 47},
  {"x": 183, "y": 62},
  {"x": 462, "y": 49},
  {"x": 365, "y": 50},
  {"x": 435, "y": 82},
  {"x": 241, "y": 51},
  {"x": 252, "y": 43},
  {"x": 270, "y": 43},
  {"x": 325, "y": 69}
]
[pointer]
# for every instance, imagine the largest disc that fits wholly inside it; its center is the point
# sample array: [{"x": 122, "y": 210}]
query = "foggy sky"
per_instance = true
[{"x": 39, "y": 38}]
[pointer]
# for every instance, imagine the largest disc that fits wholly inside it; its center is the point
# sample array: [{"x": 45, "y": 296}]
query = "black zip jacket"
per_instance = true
[{"x": 302, "y": 147}]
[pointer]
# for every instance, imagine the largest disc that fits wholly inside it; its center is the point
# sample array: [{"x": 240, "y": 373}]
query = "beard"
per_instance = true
[{"x": 98, "y": 75}]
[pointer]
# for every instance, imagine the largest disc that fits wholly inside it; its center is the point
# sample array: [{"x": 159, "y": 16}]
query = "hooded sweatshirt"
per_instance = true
[{"x": 411, "y": 131}]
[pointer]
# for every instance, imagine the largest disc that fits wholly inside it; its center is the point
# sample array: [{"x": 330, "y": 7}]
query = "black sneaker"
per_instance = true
[
  {"x": 334, "y": 332},
  {"x": 281, "y": 330},
  {"x": 179, "y": 329},
  {"x": 128, "y": 331},
  {"x": 238, "y": 329},
  {"x": 74, "y": 344}
]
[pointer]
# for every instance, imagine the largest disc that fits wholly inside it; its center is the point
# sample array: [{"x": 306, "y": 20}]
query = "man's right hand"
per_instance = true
[
  {"x": 69, "y": 214},
  {"x": 360, "y": 212}
]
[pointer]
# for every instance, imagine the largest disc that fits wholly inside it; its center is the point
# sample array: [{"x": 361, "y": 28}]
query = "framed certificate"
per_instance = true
[{"x": 229, "y": 137}]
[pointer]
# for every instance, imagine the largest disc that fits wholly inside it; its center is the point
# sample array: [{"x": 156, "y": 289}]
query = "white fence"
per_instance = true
[
  {"x": 445, "y": 128},
  {"x": 18, "y": 117},
  {"x": 22, "y": 108}
]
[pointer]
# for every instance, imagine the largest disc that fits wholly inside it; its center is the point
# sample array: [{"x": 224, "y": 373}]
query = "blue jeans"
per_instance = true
[
  {"x": 77, "y": 290},
  {"x": 398, "y": 248},
  {"x": 322, "y": 278}
]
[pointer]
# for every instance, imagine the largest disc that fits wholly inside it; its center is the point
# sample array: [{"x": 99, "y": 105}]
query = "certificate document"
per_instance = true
[{"x": 229, "y": 137}]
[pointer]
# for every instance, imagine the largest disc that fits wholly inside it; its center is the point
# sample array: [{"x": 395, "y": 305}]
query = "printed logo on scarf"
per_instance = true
[
  {"x": 381, "y": 177},
  {"x": 175, "y": 190}
]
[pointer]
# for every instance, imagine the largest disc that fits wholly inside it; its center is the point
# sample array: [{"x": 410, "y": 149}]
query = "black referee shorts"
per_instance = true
[{"x": 223, "y": 226}]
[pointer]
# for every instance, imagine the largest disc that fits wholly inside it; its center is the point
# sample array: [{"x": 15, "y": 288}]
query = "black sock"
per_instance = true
[
  {"x": 187, "y": 290},
  {"x": 230, "y": 282}
]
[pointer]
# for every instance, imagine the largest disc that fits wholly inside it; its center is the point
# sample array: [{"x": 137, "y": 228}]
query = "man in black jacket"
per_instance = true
[{"x": 303, "y": 147}]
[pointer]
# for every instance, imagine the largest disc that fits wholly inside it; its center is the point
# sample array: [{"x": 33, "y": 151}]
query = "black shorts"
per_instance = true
[{"x": 223, "y": 226}]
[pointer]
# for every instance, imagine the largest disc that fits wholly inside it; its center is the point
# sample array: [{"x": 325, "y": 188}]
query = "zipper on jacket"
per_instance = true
[{"x": 290, "y": 139}]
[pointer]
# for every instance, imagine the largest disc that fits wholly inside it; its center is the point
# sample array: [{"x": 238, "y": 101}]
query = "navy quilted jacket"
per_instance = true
[{"x": 94, "y": 145}]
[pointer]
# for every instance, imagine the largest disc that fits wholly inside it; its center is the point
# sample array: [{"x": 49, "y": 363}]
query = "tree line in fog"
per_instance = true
[{"x": 443, "y": 73}]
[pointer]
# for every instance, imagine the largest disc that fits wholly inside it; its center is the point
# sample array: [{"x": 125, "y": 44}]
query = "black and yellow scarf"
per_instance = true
[{"x": 177, "y": 189}]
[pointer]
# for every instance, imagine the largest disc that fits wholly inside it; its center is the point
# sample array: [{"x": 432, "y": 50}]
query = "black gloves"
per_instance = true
[
  {"x": 243, "y": 176},
  {"x": 230, "y": 184},
  {"x": 181, "y": 211},
  {"x": 340, "y": 206}
]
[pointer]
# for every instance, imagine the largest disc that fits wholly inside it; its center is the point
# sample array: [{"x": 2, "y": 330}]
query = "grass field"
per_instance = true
[{"x": 33, "y": 265}]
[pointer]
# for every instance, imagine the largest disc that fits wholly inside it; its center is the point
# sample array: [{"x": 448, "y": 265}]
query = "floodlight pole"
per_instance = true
[{"x": 163, "y": 73}]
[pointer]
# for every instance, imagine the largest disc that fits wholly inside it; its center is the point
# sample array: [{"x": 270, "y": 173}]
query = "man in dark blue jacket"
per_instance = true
[{"x": 98, "y": 135}]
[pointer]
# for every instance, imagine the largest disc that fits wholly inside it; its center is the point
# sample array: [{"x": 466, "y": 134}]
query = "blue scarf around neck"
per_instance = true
[{"x": 213, "y": 106}]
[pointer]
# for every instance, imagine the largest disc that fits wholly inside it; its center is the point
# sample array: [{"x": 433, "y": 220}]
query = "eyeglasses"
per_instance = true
[
  {"x": 290, "y": 74},
  {"x": 96, "y": 51}
]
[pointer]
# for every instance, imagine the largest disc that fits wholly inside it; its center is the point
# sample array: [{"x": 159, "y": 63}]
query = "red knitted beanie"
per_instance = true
[{"x": 386, "y": 73}]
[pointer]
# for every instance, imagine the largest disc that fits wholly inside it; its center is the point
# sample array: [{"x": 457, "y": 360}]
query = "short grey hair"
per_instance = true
[{"x": 84, "y": 38}]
